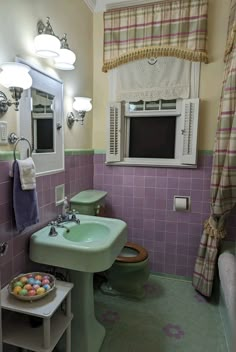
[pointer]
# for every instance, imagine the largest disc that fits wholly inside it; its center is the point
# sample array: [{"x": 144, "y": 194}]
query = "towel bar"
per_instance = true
[{"x": 16, "y": 140}]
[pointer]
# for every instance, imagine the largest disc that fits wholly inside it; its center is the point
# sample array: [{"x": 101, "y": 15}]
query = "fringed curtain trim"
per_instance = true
[
  {"x": 171, "y": 28},
  {"x": 215, "y": 228},
  {"x": 149, "y": 52}
]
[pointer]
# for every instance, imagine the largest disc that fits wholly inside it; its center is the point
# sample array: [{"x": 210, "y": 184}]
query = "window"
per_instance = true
[{"x": 163, "y": 132}]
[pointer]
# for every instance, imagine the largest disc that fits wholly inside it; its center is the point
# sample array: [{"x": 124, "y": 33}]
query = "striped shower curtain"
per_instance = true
[{"x": 223, "y": 178}]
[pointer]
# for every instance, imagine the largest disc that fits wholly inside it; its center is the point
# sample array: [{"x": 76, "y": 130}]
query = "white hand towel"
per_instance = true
[{"x": 27, "y": 174}]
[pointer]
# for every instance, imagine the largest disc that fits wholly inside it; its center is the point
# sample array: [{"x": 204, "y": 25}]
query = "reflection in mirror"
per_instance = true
[{"x": 42, "y": 121}]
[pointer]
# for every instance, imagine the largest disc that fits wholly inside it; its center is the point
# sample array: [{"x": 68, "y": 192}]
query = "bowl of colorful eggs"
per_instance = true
[{"x": 31, "y": 286}]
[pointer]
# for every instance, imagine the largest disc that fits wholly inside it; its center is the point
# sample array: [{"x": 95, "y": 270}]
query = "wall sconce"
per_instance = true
[
  {"x": 46, "y": 43},
  {"x": 82, "y": 105},
  {"x": 66, "y": 58},
  {"x": 14, "y": 76}
]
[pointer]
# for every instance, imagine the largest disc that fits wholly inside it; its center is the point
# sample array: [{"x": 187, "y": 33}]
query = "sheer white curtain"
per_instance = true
[{"x": 150, "y": 80}]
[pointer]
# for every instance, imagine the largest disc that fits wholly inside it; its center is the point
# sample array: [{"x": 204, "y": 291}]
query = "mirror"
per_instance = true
[{"x": 42, "y": 121}]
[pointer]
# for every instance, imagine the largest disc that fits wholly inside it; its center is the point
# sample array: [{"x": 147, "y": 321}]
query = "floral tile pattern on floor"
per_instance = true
[
  {"x": 171, "y": 318},
  {"x": 172, "y": 330}
]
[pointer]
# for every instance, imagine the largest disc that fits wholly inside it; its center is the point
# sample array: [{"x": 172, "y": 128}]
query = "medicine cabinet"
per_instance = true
[{"x": 41, "y": 121}]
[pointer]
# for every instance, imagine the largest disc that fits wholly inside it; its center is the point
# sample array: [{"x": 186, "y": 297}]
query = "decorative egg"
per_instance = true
[
  {"x": 17, "y": 289},
  {"x": 36, "y": 287},
  {"x": 47, "y": 287},
  {"x": 23, "y": 279},
  {"x": 29, "y": 275},
  {"x": 31, "y": 281},
  {"x": 37, "y": 282},
  {"x": 38, "y": 277},
  {"x": 28, "y": 287},
  {"x": 45, "y": 282},
  {"x": 23, "y": 292},
  {"x": 32, "y": 293},
  {"x": 46, "y": 277},
  {"x": 18, "y": 283},
  {"x": 40, "y": 291}
]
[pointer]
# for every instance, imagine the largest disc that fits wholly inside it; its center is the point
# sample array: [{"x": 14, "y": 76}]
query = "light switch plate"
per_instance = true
[
  {"x": 3, "y": 133},
  {"x": 59, "y": 194}
]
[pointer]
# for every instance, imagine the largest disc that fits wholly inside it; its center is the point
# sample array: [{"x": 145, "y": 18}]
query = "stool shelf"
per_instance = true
[{"x": 18, "y": 331}]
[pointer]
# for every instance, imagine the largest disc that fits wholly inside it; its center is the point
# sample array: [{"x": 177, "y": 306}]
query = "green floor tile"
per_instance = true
[{"x": 171, "y": 318}]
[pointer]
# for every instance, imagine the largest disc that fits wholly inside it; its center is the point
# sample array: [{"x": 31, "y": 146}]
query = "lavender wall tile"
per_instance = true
[
  {"x": 172, "y": 182},
  {"x": 143, "y": 197}
]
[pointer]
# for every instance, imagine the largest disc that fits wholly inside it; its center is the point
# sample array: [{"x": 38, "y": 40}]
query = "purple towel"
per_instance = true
[{"x": 25, "y": 203}]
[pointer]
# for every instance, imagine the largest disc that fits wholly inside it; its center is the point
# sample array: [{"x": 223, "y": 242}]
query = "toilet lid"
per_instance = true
[{"x": 132, "y": 253}]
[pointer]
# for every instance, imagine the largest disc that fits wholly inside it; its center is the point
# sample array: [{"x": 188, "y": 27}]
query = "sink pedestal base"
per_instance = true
[{"x": 87, "y": 332}]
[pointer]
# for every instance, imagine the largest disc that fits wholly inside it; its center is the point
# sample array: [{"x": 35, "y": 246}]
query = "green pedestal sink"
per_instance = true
[{"x": 89, "y": 247}]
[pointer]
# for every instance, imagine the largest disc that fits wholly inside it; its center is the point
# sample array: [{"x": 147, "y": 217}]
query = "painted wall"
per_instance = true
[
  {"x": 210, "y": 82},
  {"x": 18, "y": 27}
]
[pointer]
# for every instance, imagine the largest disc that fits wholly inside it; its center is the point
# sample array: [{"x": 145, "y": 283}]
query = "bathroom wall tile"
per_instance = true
[
  {"x": 182, "y": 270},
  {"x": 172, "y": 182},
  {"x": 139, "y": 171},
  {"x": 197, "y": 184},
  {"x": 5, "y": 191},
  {"x": 170, "y": 248},
  {"x": 7, "y": 272},
  {"x": 150, "y": 171},
  {"x": 161, "y": 182},
  {"x": 185, "y": 183},
  {"x": 143, "y": 197},
  {"x": 139, "y": 181}
]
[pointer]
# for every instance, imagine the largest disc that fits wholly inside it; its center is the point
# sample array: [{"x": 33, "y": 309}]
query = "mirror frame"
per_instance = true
[{"x": 50, "y": 162}]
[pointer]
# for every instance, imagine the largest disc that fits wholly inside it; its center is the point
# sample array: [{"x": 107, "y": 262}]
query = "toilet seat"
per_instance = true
[{"x": 142, "y": 254}]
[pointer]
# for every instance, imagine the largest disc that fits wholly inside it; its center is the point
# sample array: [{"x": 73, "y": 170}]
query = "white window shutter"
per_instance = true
[
  {"x": 113, "y": 151},
  {"x": 189, "y": 131}
]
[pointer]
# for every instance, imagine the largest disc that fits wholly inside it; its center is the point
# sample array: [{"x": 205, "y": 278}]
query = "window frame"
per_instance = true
[{"x": 180, "y": 114}]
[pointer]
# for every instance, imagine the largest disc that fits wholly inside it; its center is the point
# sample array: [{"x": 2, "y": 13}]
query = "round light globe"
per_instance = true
[
  {"x": 47, "y": 45},
  {"x": 82, "y": 104},
  {"x": 65, "y": 60},
  {"x": 15, "y": 74}
]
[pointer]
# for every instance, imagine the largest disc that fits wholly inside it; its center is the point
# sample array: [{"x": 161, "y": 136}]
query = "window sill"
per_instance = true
[{"x": 152, "y": 163}]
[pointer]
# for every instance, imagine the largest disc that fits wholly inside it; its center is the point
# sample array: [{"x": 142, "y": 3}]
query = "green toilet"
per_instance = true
[{"x": 130, "y": 270}]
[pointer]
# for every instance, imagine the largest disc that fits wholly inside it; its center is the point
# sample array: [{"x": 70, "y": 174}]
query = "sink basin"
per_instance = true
[
  {"x": 90, "y": 233},
  {"x": 91, "y": 246}
]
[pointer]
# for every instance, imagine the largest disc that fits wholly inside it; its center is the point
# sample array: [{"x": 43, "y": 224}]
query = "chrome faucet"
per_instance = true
[{"x": 68, "y": 217}]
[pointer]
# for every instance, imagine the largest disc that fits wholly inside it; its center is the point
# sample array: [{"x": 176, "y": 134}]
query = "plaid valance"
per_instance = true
[{"x": 167, "y": 28}]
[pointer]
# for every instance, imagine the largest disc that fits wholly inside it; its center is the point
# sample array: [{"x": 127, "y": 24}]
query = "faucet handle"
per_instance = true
[
  {"x": 53, "y": 232},
  {"x": 52, "y": 223},
  {"x": 59, "y": 218}
]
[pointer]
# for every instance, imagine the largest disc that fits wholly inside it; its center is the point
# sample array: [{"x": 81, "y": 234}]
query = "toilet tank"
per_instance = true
[{"x": 89, "y": 202}]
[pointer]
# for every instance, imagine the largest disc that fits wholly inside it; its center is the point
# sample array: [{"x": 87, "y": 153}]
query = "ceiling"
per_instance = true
[{"x": 102, "y": 5}]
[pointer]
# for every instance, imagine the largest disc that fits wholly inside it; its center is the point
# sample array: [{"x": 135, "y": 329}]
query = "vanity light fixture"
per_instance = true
[
  {"x": 16, "y": 78},
  {"x": 82, "y": 105},
  {"x": 46, "y": 43},
  {"x": 66, "y": 58}
]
